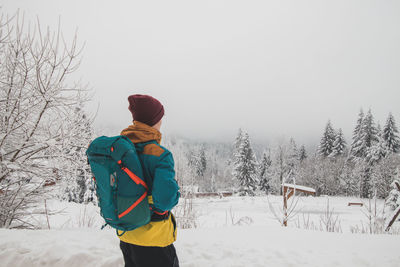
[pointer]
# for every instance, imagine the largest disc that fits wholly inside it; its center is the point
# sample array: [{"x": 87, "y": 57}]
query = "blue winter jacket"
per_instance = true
[{"x": 159, "y": 174}]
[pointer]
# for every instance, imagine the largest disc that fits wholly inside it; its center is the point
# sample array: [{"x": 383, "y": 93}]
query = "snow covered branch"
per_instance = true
[{"x": 36, "y": 100}]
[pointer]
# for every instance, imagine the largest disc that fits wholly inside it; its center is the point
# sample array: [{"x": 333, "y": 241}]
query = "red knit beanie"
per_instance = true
[{"x": 145, "y": 109}]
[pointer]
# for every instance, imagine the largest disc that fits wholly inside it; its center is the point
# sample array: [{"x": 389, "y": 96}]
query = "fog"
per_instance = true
[{"x": 274, "y": 68}]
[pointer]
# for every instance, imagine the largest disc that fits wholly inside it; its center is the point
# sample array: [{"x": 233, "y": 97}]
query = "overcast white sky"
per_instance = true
[{"x": 275, "y": 68}]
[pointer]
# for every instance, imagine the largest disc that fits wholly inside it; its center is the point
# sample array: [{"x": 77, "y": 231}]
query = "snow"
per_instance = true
[
  {"x": 75, "y": 238},
  {"x": 300, "y": 187},
  {"x": 83, "y": 247},
  {"x": 277, "y": 246},
  {"x": 229, "y": 246}
]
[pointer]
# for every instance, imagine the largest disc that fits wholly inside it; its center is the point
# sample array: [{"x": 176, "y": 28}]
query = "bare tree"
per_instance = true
[{"x": 36, "y": 97}]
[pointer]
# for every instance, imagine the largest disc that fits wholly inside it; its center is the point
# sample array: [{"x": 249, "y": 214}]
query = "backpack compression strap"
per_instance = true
[
  {"x": 133, "y": 206},
  {"x": 133, "y": 176},
  {"x": 138, "y": 181}
]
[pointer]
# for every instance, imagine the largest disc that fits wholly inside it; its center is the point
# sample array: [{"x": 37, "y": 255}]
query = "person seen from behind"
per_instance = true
[{"x": 151, "y": 245}]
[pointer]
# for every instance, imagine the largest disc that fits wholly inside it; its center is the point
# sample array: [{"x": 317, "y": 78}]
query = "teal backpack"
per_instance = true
[{"x": 118, "y": 178}]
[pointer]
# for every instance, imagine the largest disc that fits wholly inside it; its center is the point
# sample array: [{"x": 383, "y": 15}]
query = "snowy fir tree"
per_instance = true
[
  {"x": 285, "y": 164},
  {"x": 391, "y": 135},
  {"x": 302, "y": 153},
  {"x": 265, "y": 172},
  {"x": 369, "y": 131},
  {"x": 378, "y": 149},
  {"x": 368, "y": 138},
  {"x": 236, "y": 146},
  {"x": 328, "y": 138},
  {"x": 198, "y": 162},
  {"x": 280, "y": 166},
  {"x": 383, "y": 173},
  {"x": 366, "y": 182},
  {"x": 293, "y": 153},
  {"x": 374, "y": 155},
  {"x": 78, "y": 184},
  {"x": 356, "y": 144},
  {"x": 365, "y": 136},
  {"x": 349, "y": 180},
  {"x": 203, "y": 161},
  {"x": 245, "y": 167},
  {"x": 368, "y": 135},
  {"x": 339, "y": 145},
  {"x": 292, "y": 160},
  {"x": 238, "y": 140},
  {"x": 393, "y": 200}
]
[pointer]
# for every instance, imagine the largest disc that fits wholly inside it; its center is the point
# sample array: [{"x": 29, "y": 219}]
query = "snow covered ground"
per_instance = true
[{"x": 75, "y": 238}]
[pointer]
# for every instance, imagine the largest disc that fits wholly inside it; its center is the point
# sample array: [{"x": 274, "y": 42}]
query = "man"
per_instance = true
[{"x": 152, "y": 244}]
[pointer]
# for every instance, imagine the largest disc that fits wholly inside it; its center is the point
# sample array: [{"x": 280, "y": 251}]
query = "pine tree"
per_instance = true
[
  {"x": 236, "y": 146},
  {"x": 265, "y": 172},
  {"x": 378, "y": 149},
  {"x": 78, "y": 185},
  {"x": 245, "y": 167},
  {"x": 391, "y": 135},
  {"x": 366, "y": 183},
  {"x": 383, "y": 174},
  {"x": 302, "y": 153},
  {"x": 280, "y": 166},
  {"x": 292, "y": 160},
  {"x": 355, "y": 148},
  {"x": 369, "y": 133},
  {"x": 349, "y": 180},
  {"x": 203, "y": 161},
  {"x": 198, "y": 162},
  {"x": 364, "y": 138},
  {"x": 238, "y": 140},
  {"x": 369, "y": 137},
  {"x": 293, "y": 153},
  {"x": 327, "y": 140},
  {"x": 393, "y": 200},
  {"x": 339, "y": 145}
]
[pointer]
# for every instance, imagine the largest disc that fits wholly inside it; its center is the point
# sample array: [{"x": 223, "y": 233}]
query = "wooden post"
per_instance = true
[
  {"x": 393, "y": 220},
  {"x": 288, "y": 194},
  {"x": 397, "y": 185},
  {"x": 284, "y": 206}
]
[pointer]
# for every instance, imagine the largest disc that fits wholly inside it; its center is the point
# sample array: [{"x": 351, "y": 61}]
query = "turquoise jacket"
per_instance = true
[{"x": 159, "y": 174}]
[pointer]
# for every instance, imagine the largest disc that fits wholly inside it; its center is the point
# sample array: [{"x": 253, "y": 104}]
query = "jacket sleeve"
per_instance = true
[{"x": 165, "y": 190}]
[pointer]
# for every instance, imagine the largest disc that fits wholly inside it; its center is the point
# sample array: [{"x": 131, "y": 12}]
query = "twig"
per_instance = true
[{"x": 47, "y": 216}]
